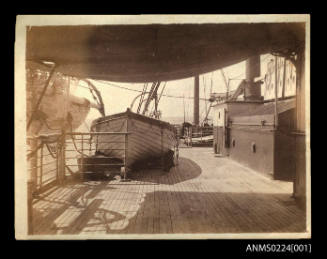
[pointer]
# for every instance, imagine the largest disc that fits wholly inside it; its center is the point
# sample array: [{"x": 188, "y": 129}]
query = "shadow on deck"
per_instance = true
[
  {"x": 190, "y": 171},
  {"x": 171, "y": 212},
  {"x": 220, "y": 197},
  {"x": 201, "y": 212}
]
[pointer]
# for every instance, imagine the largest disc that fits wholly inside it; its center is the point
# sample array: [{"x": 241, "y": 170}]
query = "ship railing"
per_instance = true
[
  {"x": 56, "y": 158},
  {"x": 83, "y": 145},
  {"x": 42, "y": 161},
  {"x": 53, "y": 157},
  {"x": 200, "y": 136}
]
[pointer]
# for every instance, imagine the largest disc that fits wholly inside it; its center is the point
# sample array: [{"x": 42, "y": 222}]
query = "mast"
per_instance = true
[
  {"x": 276, "y": 93},
  {"x": 184, "y": 106},
  {"x": 196, "y": 101},
  {"x": 152, "y": 94},
  {"x": 226, "y": 83}
]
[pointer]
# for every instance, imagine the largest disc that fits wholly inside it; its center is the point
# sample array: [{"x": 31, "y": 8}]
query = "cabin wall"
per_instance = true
[
  {"x": 221, "y": 139},
  {"x": 235, "y": 108},
  {"x": 284, "y": 156},
  {"x": 241, "y": 148},
  {"x": 285, "y": 163},
  {"x": 274, "y": 150},
  {"x": 219, "y": 146}
]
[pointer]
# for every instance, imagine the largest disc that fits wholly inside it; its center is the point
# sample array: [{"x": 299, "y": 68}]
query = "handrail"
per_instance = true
[
  {"x": 98, "y": 133},
  {"x": 252, "y": 124}
]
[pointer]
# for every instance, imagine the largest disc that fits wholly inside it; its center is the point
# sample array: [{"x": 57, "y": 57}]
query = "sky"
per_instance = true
[{"x": 118, "y": 100}]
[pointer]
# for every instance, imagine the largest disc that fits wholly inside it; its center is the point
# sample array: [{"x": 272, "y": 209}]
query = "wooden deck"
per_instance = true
[{"x": 203, "y": 194}]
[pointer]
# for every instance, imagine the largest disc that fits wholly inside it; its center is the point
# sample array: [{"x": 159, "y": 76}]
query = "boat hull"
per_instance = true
[
  {"x": 56, "y": 102},
  {"x": 146, "y": 138}
]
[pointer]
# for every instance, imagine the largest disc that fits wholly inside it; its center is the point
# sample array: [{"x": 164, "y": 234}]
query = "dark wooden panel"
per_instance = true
[{"x": 262, "y": 160}]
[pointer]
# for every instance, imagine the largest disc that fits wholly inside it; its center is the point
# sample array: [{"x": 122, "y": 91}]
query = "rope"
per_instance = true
[
  {"x": 50, "y": 152},
  {"x": 163, "y": 88},
  {"x": 39, "y": 146},
  {"x": 98, "y": 100},
  {"x": 142, "y": 97},
  {"x": 56, "y": 156},
  {"x": 139, "y": 91}
]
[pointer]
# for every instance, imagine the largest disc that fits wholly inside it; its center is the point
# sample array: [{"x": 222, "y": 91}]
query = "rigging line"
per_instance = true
[
  {"x": 184, "y": 107},
  {"x": 207, "y": 113},
  {"x": 152, "y": 91},
  {"x": 163, "y": 88},
  {"x": 87, "y": 126},
  {"x": 142, "y": 97},
  {"x": 203, "y": 111},
  {"x": 155, "y": 97},
  {"x": 204, "y": 91},
  {"x": 132, "y": 104},
  {"x": 225, "y": 79},
  {"x": 98, "y": 95},
  {"x": 41, "y": 96},
  {"x": 140, "y": 91},
  {"x": 50, "y": 152},
  {"x": 153, "y": 109},
  {"x": 145, "y": 88},
  {"x": 188, "y": 115},
  {"x": 152, "y": 96},
  {"x": 39, "y": 146},
  {"x": 148, "y": 100},
  {"x": 55, "y": 157},
  {"x": 208, "y": 110},
  {"x": 226, "y": 82},
  {"x": 211, "y": 83}
]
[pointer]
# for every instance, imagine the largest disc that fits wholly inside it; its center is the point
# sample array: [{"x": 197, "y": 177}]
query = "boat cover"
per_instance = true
[{"x": 156, "y": 52}]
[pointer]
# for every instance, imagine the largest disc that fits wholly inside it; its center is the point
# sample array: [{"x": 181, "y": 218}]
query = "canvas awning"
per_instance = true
[{"x": 147, "y": 53}]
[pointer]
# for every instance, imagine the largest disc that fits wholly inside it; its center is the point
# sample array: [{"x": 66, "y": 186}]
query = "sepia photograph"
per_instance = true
[{"x": 162, "y": 127}]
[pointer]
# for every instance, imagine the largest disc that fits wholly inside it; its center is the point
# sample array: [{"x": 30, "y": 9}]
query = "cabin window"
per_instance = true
[
  {"x": 233, "y": 142},
  {"x": 218, "y": 115}
]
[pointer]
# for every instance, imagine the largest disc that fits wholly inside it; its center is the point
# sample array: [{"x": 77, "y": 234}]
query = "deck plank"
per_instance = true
[{"x": 203, "y": 194}]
